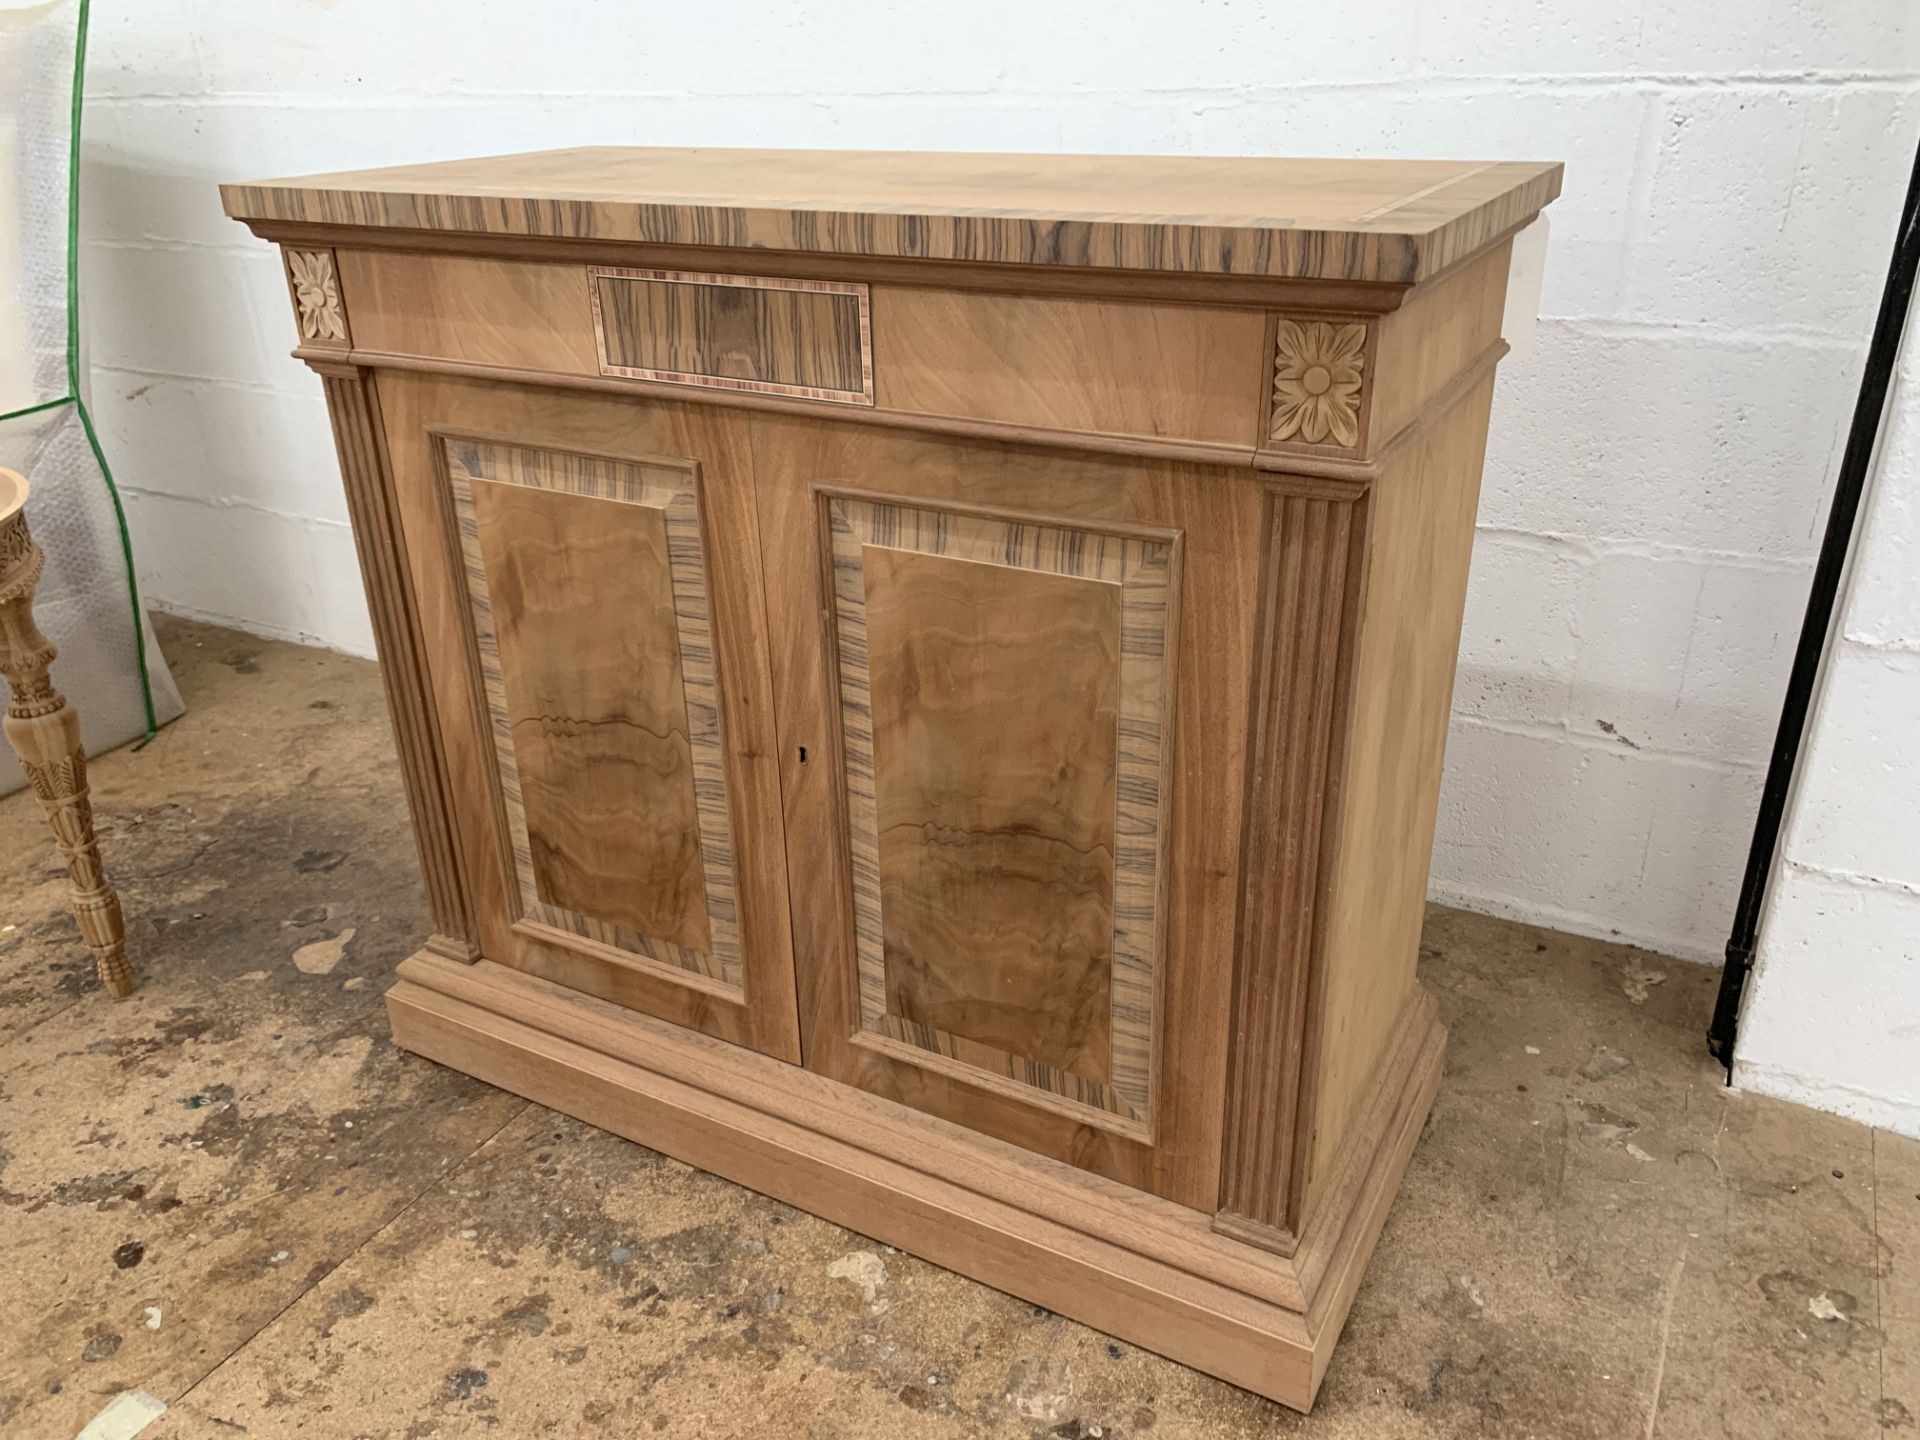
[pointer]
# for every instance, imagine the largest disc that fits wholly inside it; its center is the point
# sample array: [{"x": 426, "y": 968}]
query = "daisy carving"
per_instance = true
[
  {"x": 1316, "y": 382},
  {"x": 316, "y": 296}
]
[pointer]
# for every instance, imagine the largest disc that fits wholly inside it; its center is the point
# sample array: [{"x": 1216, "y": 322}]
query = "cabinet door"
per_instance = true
[
  {"x": 591, "y": 590},
  {"x": 1006, "y": 913}
]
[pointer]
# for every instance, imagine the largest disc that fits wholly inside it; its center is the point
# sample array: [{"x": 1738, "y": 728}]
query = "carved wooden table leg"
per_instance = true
[{"x": 44, "y": 731}]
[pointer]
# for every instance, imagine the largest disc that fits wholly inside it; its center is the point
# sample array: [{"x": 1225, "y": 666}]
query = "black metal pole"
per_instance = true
[{"x": 1882, "y": 353}]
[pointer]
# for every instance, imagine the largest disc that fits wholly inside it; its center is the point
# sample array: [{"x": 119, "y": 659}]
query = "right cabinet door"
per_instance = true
[{"x": 1010, "y": 850}]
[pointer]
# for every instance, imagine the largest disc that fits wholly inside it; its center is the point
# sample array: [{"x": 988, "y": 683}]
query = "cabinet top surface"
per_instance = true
[{"x": 1391, "y": 221}]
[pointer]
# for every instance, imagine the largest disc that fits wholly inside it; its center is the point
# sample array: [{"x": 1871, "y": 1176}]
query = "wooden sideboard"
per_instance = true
[{"x": 921, "y": 679}]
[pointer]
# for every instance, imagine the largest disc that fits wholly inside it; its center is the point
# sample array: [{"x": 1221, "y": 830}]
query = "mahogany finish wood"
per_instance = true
[{"x": 922, "y": 679}]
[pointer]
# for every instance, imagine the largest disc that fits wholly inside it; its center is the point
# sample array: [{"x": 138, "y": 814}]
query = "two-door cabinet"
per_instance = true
[{"x": 922, "y": 679}]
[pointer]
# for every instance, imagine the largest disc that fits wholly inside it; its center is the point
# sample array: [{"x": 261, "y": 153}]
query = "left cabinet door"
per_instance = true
[{"x": 588, "y": 577}]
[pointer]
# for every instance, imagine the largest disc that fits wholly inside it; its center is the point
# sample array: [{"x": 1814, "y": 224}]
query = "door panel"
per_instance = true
[
  {"x": 987, "y": 669},
  {"x": 993, "y": 811},
  {"x": 610, "y": 726},
  {"x": 1011, "y": 834},
  {"x": 589, "y": 602}
]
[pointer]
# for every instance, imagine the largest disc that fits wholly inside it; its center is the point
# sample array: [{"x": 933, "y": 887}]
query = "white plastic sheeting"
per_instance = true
[{"x": 109, "y": 665}]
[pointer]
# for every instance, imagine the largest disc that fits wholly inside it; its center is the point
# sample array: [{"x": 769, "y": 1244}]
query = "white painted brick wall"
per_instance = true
[
  {"x": 1658, "y": 470},
  {"x": 1833, "y": 1011}
]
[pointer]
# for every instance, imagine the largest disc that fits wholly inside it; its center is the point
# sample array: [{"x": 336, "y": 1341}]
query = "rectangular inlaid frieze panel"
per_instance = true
[
  {"x": 806, "y": 338},
  {"x": 590, "y": 616},
  {"x": 1004, "y": 727}
]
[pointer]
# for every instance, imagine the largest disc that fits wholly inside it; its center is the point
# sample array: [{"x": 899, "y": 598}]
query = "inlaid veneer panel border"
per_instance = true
[
  {"x": 856, "y": 291},
  {"x": 1144, "y": 565},
  {"x": 670, "y": 485}
]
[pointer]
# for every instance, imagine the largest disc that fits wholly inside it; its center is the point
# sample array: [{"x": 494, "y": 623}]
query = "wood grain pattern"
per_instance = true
[
  {"x": 994, "y": 706},
  {"x": 353, "y": 405},
  {"x": 1315, "y": 554},
  {"x": 1187, "y": 371},
  {"x": 760, "y": 1011},
  {"x": 744, "y": 729},
  {"x": 805, "y": 338},
  {"x": 1050, "y": 836},
  {"x": 1211, "y": 511},
  {"x": 478, "y": 311},
  {"x": 591, "y": 615},
  {"x": 1291, "y": 294},
  {"x": 1441, "y": 331},
  {"x": 1403, "y": 667},
  {"x": 1172, "y": 373},
  {"x": 1388, "y": 1119},
  {"x": 1136, "y": 446},
  {"x": 599, "y": 731},
  {"x": 1397, "y": 221}
]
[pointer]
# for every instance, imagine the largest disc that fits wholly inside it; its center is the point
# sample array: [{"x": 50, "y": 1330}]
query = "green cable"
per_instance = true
[
  {"x": 34, "y": 409},
  {"x": 73, "y": 363}
]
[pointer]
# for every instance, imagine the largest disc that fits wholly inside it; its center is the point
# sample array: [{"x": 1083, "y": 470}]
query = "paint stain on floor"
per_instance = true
[{"x": 232, "y": 1193}]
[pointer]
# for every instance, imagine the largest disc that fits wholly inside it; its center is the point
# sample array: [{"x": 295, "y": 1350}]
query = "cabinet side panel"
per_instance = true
[
  {"x": 1415, "y": 595},
  {"x": 1443, "y": 330}
]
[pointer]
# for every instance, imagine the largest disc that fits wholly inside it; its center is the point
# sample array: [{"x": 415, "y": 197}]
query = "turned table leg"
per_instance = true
[{"x": 44, "y": 731}]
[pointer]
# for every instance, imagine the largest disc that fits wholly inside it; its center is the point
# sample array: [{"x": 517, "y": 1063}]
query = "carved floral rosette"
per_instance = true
[
  {"x": 316, "y": 296},
  {"x": 1317, "y": 378}
]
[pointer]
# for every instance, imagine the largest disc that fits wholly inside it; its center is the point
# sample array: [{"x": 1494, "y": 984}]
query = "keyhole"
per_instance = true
[{"x": 803, "y": 754}]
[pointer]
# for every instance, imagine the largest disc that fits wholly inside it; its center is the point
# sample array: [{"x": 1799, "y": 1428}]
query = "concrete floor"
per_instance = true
[{"x": 233, "y": 1193}]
